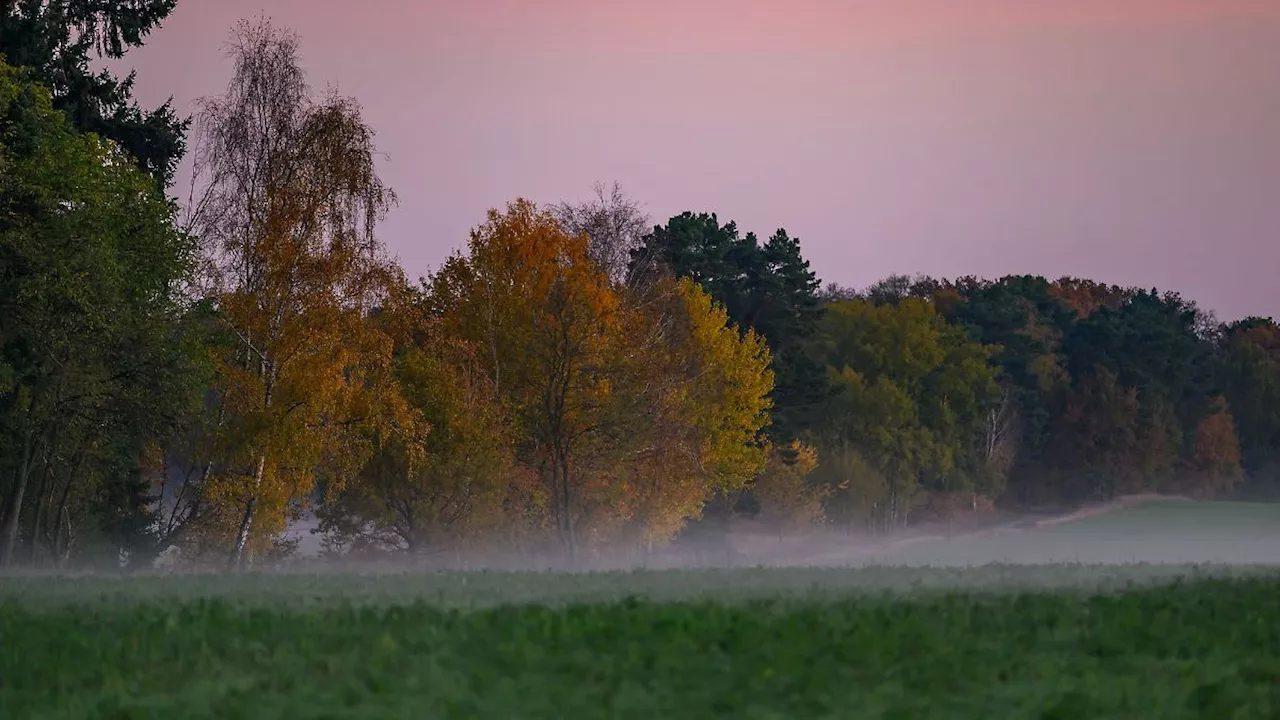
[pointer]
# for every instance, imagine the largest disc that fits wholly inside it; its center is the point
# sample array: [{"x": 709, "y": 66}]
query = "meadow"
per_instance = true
[
  {"x": 1165, "y": 531},
  {"x": 1047, "y": 640}
]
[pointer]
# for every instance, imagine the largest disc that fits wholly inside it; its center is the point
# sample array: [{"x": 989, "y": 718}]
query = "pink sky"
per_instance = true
[{"x": 1131, "y": 141}]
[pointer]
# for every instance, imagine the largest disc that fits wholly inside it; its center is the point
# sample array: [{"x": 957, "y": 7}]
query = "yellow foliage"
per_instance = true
[
  {"x": 1214, "y": 467},
  {"x": 696, "y": 398},
  {"x": 460, "y": 486},
  {"x": 631, "y": 407},
  {"x": 529, "y": 295},
  {"x": 729, "y": 400},
  {"x": 788, "y": 500}
]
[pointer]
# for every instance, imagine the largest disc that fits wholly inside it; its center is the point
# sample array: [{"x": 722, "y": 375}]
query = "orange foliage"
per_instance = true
[{"x": 1214, "y": 466}]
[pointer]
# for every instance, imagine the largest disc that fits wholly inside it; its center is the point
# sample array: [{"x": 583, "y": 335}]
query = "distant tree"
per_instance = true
[
  {"x": 788, "y": 497},
  {"x": 1024, "y": 322},
  {"x": 914, "y": 400},
  {"x": 1250, "y": 378},
  {"x": 896, "y": 288},
  {"x": 613, "y": 223},
  {"x": 1086, "y": 296},
  {"x": 631, "y": 404},
  {"x": 1095, "y": 444},
  {"x": 1214, "y": 463},
  {"x": 833, "y": 291},
  {"x": 59, "y": 40},
  {"x": 1152, "y": 342},
  {"x": 766, "y": 288}
]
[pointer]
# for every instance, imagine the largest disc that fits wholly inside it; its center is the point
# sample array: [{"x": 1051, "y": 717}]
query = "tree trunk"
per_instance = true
[
  {"x": 44, "y": 496},
  {"x": 239, "y": 556},
  {"x": 58, "y": 519},
  {"x": 13, "y": 508},
  {"x": 571, "y": 539},
  {"x": 63, "y": 547}
]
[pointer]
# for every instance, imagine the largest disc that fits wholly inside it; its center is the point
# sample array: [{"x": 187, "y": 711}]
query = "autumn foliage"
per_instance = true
[{"x": 573, "y": 381}]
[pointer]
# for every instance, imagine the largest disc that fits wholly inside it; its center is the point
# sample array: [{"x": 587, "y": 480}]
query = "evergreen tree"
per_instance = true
[{"x": 58, "y": 39}]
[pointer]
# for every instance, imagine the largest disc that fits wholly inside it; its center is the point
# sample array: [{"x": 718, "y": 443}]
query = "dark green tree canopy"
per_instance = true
[
  {"x": 58, "y": 39},
  {"x": 94, "y": 361},
  {"x": 768, "y": 288},
  {"x": 1249, "y": 373}
]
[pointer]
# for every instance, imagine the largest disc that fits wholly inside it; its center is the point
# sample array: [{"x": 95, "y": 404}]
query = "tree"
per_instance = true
[
  {"x": 768, "y": 289},
  {"x": 58, "y": 39},
  {"x": 1151, "y": 342},
  {"x": 1086, "y": 297},
  {"x": 614, "y": 225},
  {"x": 700, "y": 401},
  {"x": 289, "y": 205},
  {"x": 632, "y": 405},
  {"x": 94, "y": 364},
  {"x": 529, "y": 293},
  {"x": 458, "y": 485},
  {"x": 896, "y": 288},
  {"x": 1095, "y": 442},
  {"x": 914, "y": 397},
  {"x": 1250, "y": 378},
  {"x": 788, "y": 499},
  {"x": 1214, "y": 464}
]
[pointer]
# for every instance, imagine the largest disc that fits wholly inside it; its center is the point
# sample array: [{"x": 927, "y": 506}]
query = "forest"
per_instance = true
[{"x": 202, "y": 373}]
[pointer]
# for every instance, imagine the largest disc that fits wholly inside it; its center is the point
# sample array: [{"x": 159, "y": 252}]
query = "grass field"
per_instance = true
[
  {"x": 1167, "y": 531},
  {"x": 998, "y": 641}
]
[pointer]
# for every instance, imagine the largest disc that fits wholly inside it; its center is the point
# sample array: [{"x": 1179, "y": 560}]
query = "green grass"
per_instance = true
[
  {"x": 1036, "y": 642},
  {"x": 1160, "y": 532}
]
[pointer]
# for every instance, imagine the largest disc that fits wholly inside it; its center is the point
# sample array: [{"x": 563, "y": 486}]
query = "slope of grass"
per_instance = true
[
  {"x": 741, "y": 644},
  {"x": 1165, "y": 532}
]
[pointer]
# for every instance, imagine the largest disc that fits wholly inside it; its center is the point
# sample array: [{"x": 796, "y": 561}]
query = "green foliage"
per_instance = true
[
  {"x": 1111, "y": 385},
  {"x": 97, "y": 363},
  {"x": 767, "y": 288},
  {"x": 912, "y": 394},
  {"x": 535, "y": 380},
  {"x": 1190, "y": 650},
  {"x": 59, "y": 39},
  {"x": 1250, "y": 379}
]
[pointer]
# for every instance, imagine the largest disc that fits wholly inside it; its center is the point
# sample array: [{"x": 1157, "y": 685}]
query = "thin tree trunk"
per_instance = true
[
  {"x": 13, "y": 509},
  {"x": 174, "y": 531},
  {"x": 239, "y": 555},
  {"x": 44, "y": 495},
  {"x": 63, "y": 517},
  {"x": 238, "y": 551},
  {"x": 570, "y": 536},
  {"x": 559, "y": 507},
  {"x": 64, "y": 548}
]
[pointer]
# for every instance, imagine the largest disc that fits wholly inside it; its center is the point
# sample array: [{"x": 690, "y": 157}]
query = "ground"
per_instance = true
[{"x": 926, "y": 638}]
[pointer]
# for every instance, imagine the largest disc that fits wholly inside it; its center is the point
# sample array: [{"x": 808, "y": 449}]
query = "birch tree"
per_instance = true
[{"x": 288, "y": 199}]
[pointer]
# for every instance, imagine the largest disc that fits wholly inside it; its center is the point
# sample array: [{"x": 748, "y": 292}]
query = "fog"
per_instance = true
[{"x": 1132, "y": 530}]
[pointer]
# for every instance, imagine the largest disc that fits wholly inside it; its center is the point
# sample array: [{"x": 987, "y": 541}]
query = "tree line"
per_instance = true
[{"x": 200, "y": 375}]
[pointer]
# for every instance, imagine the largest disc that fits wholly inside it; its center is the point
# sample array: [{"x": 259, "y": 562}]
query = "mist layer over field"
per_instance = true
[
  {"x": 1137, "y": 529},
  {"x": 1159, "y": 610},
  {"x": 1135, "y": 541}
]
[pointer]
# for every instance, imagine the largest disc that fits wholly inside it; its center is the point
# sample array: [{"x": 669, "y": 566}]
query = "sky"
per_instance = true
[{"x": 1135, "y": 142}]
